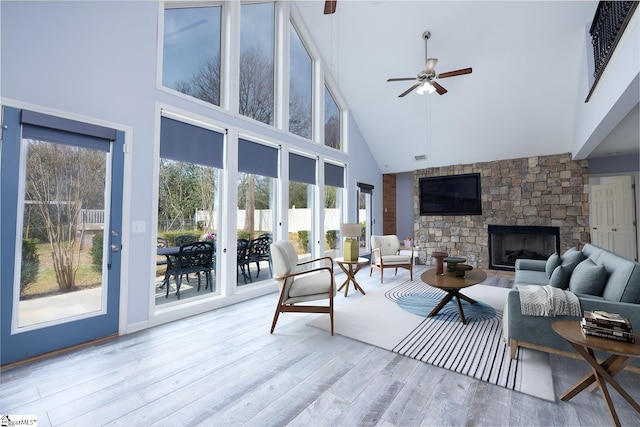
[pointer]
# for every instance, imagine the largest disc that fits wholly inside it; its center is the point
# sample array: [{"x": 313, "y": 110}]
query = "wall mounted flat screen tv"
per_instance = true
[{"x": 451, "y": 195}]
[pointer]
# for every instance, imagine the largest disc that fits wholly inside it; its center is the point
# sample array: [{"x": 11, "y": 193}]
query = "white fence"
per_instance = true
[{"x": 299, "y": 219}]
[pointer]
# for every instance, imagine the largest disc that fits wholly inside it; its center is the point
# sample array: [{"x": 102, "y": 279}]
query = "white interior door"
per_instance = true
[{"x": 613, "y": 216}]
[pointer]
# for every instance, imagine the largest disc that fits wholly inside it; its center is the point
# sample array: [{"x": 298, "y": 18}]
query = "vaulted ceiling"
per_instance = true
[{"x": 519, "y": 101}]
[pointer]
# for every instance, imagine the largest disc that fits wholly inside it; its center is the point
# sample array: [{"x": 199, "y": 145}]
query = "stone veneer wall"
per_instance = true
[{"x": 542, "y": 191}]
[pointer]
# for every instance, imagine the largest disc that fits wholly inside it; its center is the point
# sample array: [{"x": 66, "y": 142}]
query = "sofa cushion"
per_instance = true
[
  {"x": 588, "y": 278},
  {"x": 553, "y": 261},
  {"x": 623, "y": 283},
  {"x": 560, "y": 277},
  {"x": 571, "y": 258},
  {"x": 529, "y": 277}
]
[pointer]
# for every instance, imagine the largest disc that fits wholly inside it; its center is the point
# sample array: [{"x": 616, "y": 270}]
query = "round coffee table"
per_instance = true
[{"x": 452, "y": 285}]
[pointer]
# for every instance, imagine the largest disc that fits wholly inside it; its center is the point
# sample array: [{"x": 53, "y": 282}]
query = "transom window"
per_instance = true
[
  {"x": 257, "y": 52},
  {"x": 191, "y": 55},
  {"x": 300, "y": 87},
  {"x": 193, "y": 62},
  {"x": 331, "y": 121}
]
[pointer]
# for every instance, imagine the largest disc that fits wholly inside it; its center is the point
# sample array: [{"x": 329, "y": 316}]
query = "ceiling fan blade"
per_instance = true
[
  {"x": 406, "y": 92},
  {"x": 455, "y": 73},
  {"x": 401, "y": 79},
  {"x": 431, "y": 65},
  {"x": 439, "y": 89},
  {"x": 330, "y": 6}
]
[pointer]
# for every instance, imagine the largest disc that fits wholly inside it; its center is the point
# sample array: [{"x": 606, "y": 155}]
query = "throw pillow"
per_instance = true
[
  {"x": 571, "y": 258},
  {"x": 588, "y": 278},
  {"x": 560, "y": 278},
  {"x": 553, "y": 261}
]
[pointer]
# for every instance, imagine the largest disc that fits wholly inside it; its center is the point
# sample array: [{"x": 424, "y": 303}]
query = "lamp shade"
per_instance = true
[{"x": 350, "y": 230}]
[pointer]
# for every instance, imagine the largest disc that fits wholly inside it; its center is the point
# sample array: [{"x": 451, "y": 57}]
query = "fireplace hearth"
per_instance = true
[{"x": 509, "y": 243}]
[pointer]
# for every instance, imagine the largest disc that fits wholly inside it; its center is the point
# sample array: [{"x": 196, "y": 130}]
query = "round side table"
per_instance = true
[{"x": 439, "y": 257}]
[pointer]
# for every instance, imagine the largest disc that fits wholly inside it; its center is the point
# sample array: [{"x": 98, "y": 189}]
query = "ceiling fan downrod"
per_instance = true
[{"x": 426, "y": 35}]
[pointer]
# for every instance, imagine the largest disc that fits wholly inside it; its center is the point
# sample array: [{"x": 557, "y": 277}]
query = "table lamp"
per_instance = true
[{"x": 350, "y": 248}]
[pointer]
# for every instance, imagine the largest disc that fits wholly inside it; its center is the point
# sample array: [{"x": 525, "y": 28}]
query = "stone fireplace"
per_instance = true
[
  {"x": 540, "y": 191},
  {"x": 508, "y": 243}
]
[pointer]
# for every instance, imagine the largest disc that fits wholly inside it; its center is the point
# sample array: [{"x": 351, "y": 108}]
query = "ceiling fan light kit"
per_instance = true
[
  {"x": 425, "y": 80},
  {"x": 425, "y": 87}
]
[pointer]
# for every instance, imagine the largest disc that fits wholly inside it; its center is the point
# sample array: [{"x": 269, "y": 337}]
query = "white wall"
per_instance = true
[
  {"x": 97, "y": 61},
  {"x": 615, "y": 95}
]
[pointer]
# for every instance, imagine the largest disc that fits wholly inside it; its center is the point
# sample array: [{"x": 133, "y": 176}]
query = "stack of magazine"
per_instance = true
[{"x": 607, "y": 325}]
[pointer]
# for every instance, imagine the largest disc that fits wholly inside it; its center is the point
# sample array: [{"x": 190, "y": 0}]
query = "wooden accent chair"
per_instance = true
[
  {"x": 385, "y": 253},
  {"x": 299, "y": 285}
]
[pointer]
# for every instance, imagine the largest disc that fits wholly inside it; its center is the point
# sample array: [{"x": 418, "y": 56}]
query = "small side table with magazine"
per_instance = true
[{"x": 620, "y": 352}]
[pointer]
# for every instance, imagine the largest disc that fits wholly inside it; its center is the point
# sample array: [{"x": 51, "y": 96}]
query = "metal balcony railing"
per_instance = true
[{"x": 609, "y": 23}]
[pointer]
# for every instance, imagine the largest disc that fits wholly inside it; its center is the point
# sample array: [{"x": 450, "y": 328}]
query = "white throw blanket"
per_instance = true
[{"x": 548, "y": 301}]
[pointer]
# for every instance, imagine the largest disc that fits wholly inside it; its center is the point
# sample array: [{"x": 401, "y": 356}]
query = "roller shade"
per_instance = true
[
  {"x": 302, "y": 169},
  {"x": 184, "y": 142},
  {"x": 44, "y": 127},
  {"x": 365, "y": 188},
  {"x": 333, "y": 175},
  {"x": 257, "y": 159}
]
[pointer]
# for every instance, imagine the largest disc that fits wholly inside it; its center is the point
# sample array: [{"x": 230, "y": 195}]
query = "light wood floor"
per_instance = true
[{"x": 223, "y": 368}]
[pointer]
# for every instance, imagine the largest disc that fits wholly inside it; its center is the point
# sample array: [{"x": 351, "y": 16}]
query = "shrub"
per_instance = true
[
  {"x": 244, "y": 234},
  {"x": 331, "y": 238},
  {"x": 171, "y": 235},
  {"x": 303, "y": 237},
  {"x": 96, "y": 251},
  {"x": 30, "y": 263}
]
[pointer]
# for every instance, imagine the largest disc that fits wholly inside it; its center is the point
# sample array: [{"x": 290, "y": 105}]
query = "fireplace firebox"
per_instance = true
[{"x": 509, "y": 242}]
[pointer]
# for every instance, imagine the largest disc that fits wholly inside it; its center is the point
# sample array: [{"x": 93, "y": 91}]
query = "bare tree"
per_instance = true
[
  {"x": 299, "y": 112},
  {"x": 204, "y": 84},
  {"x": 256, "y": 86},
  {"x": 178, "y": 193},
  {"x": 207, "y": 187},
  {"x": 60, "y": 180},
  {"x": 332, "y": 131}
]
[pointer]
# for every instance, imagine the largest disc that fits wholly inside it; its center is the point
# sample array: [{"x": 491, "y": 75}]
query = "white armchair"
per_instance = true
[
  {"x": 298, "y": 285},
  {"x": 385, "y": 253}
]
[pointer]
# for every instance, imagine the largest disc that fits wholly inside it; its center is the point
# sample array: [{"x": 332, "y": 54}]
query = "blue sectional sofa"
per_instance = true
[{"x": 601, "y": 279}]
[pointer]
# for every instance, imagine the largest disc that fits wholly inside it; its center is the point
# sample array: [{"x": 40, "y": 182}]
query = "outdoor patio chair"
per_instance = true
[
  {"x": 193, "y": 258},
  {"x": 183, "y": 239},
  {"x": 299, "y": 285},
  {"x": 242, "y": 256},
  {"x": 162, "y": 260},
  {"x": 259, "y": 251}
]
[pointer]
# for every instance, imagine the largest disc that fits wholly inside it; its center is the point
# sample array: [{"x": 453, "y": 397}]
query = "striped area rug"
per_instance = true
[
  {"x": 476, "y": 349},
  {"x": 394, "y": 318}
]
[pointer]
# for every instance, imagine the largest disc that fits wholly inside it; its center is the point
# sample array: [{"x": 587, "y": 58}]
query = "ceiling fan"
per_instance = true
[
  {"x": 425, "y": 80},
  {"x": 330, "y": 6}
]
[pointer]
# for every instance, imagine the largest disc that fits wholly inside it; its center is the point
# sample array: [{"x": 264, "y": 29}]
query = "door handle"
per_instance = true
[{"x": 115, "y": 248}]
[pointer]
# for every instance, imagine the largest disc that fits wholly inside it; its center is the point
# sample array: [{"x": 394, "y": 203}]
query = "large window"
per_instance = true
[
  {"x": 191, "y": 54},
  {"x": 365, "y": 215},
  {"x": 302, "y": 184},
  {"x": 300, "y": 87},
  {"x": 257, "y": 53},
  {"x": 333, "y": 205},
  {"x": 191, "y": 161},
  {"x": 331, "y": 121},
  {"x": 257, "y": 180}
]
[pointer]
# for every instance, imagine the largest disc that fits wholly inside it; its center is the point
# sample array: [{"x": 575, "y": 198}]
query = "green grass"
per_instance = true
[{"x": 46, "y": 283}]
